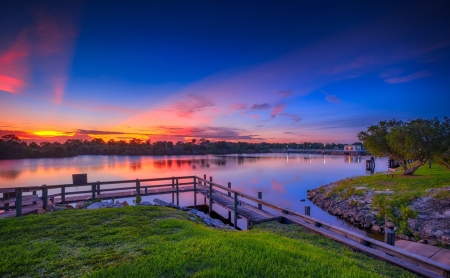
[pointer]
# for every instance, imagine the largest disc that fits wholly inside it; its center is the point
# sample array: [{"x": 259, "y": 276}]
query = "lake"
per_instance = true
[{"x": 282, "y": 179}]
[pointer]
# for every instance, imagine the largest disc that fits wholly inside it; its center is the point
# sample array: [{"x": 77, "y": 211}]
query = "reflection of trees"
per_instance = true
[
  {"x": 12, "y": 147},
  {"x": 9, "y": 174}
]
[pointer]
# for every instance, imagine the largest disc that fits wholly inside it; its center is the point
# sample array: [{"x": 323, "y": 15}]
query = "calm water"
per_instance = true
[{"x": 283, "y": 180}]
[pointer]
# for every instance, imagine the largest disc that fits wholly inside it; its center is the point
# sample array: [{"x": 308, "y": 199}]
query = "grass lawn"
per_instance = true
[{"x": 164, "y": 242}]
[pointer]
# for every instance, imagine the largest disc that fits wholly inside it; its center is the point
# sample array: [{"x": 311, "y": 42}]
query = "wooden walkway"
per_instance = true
[
  {"x": 250, "y": 212},
  {"x": 25, "y": 210}
]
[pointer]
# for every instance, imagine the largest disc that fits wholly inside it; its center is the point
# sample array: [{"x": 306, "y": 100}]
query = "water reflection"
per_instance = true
[{"x": 283, "y": 179}]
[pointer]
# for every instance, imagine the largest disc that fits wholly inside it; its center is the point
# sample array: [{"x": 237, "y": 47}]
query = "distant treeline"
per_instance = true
[{"x": 12, "y": 147}]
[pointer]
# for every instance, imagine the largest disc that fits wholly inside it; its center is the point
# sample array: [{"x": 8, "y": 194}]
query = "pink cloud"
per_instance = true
[
  {"x": 14, "y": 65},
  {"x": 277, "y": 186},
  {"x": 331, "y": 98},
  {"x": 408, "y": 78},
  {"x": 277, "y": 110},
  {"x": 238, "y": 106},
  {"x": 254, "y": 116},
  {"x": 191, "y": 105}
]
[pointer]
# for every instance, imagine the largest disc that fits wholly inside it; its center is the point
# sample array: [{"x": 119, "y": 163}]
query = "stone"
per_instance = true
[
  {"x": 389, "y": 224},
  {"x": 202, "y": 215},
  {"x": 97, "y": 205},
  {"x": 144, "y": 204},
  {"x": 376, "y": 228},
  {"x": 404, "y": 237},
  {"x": 424, "y": 241},
  {"x": 80, "y": 205},
  {"x": 369, "y": 218},
  {"x": 361, "y": 188},
  {"x": 125, "y": 204},
  {"x": 41, "y": 211},
  {"x": 69, "y": 207}
]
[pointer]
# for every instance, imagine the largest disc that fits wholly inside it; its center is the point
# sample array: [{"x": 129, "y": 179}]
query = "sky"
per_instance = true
[{"x": 255, "y": 71}]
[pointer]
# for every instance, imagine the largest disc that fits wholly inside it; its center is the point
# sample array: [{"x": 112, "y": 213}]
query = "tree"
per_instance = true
[
  {"x": 411, "y": 144},
  {"x": 443, "y": 157}
]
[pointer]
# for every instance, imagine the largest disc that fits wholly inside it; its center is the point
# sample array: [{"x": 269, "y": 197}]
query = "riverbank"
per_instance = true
[
  {"x": 163, "y": 242},
  {"x": 416, "y": 207}
]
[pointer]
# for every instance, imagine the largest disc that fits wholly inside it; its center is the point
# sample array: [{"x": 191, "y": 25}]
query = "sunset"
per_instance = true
[
  {"x": 222, "y": 71},
  {"x": 199, "y": 138}
]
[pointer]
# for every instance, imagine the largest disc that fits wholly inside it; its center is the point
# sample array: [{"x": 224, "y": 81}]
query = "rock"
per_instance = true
[
  {"x": 69, "y": 207},
  {"x": 144, "y": 204},
  {"x": 125, "y": 204},
  {"x": 183, "y": 208},
  {"x": 361, "y": 188},
  {"x": 383, "y": 192},
  {"x": 202, "y": 215},
  {"x": 389, "y": 224},
  {"x": 424, "y": 241},
  {"x": 367, "y": 225},
  {"x": 40, "y": 211},
  {"x": 80, "y": 205},
  {"x": 369, "y": 218},
  {"x": 194, "y": 211},
  {"x": 97, "y": 205},
  {"x": 376, "y": 228},
  {"x": 403, "y": 237}
]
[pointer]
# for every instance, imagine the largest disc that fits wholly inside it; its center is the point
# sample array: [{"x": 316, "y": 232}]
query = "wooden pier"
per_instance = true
[{"x": 25, "y": 200}]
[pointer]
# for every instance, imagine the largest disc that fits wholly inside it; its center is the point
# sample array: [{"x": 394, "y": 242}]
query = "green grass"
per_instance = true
[
  {"x": 406, "y": 188},
  {"x": 163, "y": 242}
]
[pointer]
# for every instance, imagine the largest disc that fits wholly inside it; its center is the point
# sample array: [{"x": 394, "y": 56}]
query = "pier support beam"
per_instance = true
[
  {"x": 260, "y": 197},
  {"x": 210, "y": 195},
  {"x": 229, "y": 194},
  {"x": 308, "y": 210},
  {"x": 44, "y": 196},
  {"x": 235, "y": 209}
]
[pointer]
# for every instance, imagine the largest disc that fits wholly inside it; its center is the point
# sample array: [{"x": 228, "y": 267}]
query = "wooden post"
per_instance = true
[
  {"x": 178, "y": 194},
  {"x": 204, "y": 183},
  {"x": 173, "y": 185},
  {"x": 18, "y": 201},
  {"x": 146, "y": 191},
  {"x": 195, "y": 192},
  {"x": 308, "y": 210},
  {"x": 44, "y": 196},
  {"x": 93, "y": 191},
  {"x": 260, "y": 197},
  {"x": 229, "y": 194},
  {"x": 390, "y": 237},
  {"x": 210, "y": 195},
  {"x": 138, "y": 187},
  {"x": 98, "y": 188},
  {"x": 34, "y": 193},
  {"x": 6, "y": 201},
  {"x": 63, "y": 195},
  {"x": 235, "y": 209}
]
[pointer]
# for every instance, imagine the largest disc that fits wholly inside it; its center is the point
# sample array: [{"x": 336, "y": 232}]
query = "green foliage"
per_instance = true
[
  {"x": 138, "y": 199},
  {"x": 419, "y": 140},
  {"x": 162, "y": 242}
]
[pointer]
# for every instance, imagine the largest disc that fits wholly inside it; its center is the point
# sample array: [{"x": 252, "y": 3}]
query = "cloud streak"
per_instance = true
[{"x": 408, "y": 78}]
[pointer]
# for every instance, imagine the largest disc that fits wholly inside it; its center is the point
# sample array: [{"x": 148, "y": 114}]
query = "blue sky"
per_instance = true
[{"x": 276, "y": 71}]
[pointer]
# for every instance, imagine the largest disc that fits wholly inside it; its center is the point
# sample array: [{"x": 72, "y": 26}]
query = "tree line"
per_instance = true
[
  {"x": 411, "y": 143},
  {"x": 11, "y": 147}
]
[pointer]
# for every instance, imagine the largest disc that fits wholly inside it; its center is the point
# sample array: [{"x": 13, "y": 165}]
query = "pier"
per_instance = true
[{"x": 25, "y": 200}]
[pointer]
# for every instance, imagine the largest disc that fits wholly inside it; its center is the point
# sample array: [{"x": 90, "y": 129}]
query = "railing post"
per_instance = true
[
  {"x": 44, "y": 196},
  {"x": 63, "y": 195},
  {"x": 229, "y": 194},
  {"x": 34, "y": 193},
  {"x": 390, "y": 237},
  {"x": 93, "y": 191},
  {"x": 6, "y": 201},
  {"x": 235, "y": 209},
  {"x": 204, "y": 183},
  {"x": 173, "y": 185},
  {"x": 138, "y": 187},
  {"x": 178, "y": 193},
  {"x": 98, "y": 188},
  {"x": 18, "y": 201},
  {"x": 195, "y": 192},
  {"x": 308, "y": 210},
  {"x": 260, "y": 197},
  {"x": 210, "y": 195}
]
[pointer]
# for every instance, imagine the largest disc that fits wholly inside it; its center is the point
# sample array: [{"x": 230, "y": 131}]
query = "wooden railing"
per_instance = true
[{"x": 381, "y": 250}]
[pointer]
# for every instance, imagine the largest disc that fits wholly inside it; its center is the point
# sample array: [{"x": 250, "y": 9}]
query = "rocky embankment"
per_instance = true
[{"x": 432, "y": 224}]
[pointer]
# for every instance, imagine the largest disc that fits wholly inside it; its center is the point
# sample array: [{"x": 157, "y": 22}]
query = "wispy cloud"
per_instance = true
[
  {"x": 14, "y": 65},
  {"x": 408, "y": 78},
  {"x": 262, "y": 106},
  {"x": 238, "y": 106},
  {"x": 191, "y": 105},
  {"x": 98, "y": 132},
  {"x": 288, "y": 132},
  {"x": 284, "y": 93},
  {"x": 331, "y": 98},
  {"x": 277, "y": 110}
]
